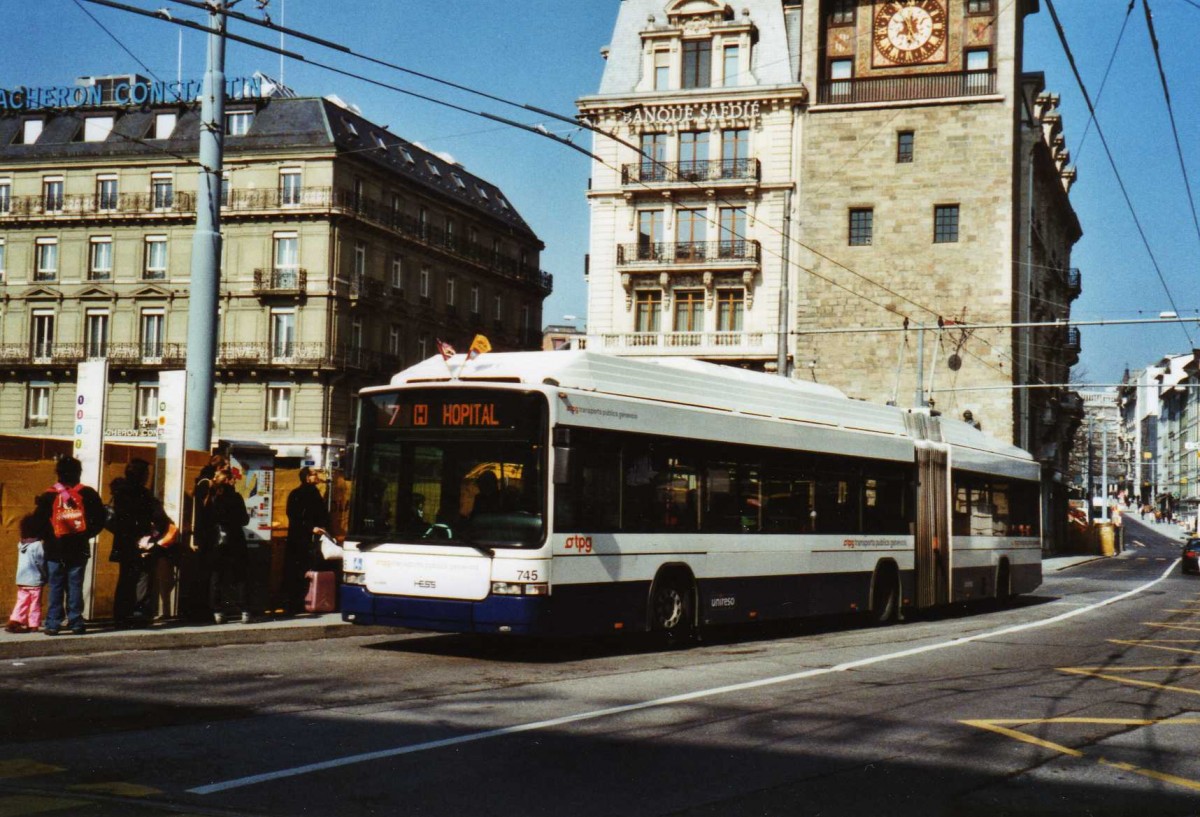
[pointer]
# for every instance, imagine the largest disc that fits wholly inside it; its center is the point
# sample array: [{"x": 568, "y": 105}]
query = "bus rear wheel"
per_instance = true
[{"x": 671, "y": 607}]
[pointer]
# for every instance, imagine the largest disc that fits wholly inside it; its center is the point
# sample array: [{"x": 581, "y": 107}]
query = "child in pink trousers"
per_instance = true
[{"x": 26, "y": 615}]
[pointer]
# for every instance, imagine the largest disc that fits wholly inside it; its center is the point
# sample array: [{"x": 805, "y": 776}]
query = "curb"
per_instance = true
[{"x": 65, "y": 644}]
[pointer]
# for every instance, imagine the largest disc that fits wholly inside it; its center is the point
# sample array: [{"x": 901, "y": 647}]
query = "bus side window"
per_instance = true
[{"x": 591, "y": 500}]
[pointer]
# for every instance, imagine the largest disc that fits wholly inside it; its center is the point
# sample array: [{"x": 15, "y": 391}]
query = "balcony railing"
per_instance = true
[
  {"x": 159, "y": 355},
  {"x": 697, "y": 344},
  {"x": 280, "y": 281},
  {"x": 363, "y": 287},
  {"x": 77, "y": 206},
  {"x": 904, "y": 88},
  {"x": 1074, "y": 281},
  {"x": 696, "y": 170},
  {"x": 303, "y": 356},
  {"x": 688, "y": 252}
]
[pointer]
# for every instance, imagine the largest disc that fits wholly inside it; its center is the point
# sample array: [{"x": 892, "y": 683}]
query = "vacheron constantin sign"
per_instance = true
[{"x": 908, "y": 32}]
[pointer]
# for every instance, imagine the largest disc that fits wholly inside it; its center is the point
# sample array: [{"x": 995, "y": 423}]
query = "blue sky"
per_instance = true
[{"x": 547, "y": 53}]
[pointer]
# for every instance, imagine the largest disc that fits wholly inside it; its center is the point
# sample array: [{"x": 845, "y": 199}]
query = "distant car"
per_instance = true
[{"x": 1191, "y": 556}]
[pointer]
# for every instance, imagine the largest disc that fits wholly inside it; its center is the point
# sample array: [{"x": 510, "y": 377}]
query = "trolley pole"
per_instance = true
[{"x": 206, "y": 244}]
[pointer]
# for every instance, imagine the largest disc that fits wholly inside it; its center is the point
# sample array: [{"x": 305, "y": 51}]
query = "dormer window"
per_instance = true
[
  {"x": 237, "y": 123},
  {"x": 382, "y": 145},
  {"x": 408, "y": 157},
  {"x": 164, "y": 125},
  {"x": 458, "y": 181},
  {"x": 697, "y": 63},
  {"x": 353, "y": 131},
  {"x": 31, "y": 129},
  {"x": 433, "y": 168},
  {"x": 97, "y": 128}
]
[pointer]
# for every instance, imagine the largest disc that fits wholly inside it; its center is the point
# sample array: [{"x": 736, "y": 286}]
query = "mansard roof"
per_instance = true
[{"x": 279, "y": 124}]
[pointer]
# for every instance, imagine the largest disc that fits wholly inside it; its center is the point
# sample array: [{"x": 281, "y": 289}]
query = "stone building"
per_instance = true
[
  {"x": 868, "y": 194},
  {"x": 348, "y": 251}
]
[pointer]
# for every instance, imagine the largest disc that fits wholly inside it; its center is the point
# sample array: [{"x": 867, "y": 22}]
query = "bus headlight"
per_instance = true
[
  {"x": 518, "y": 589},
  {"x": 354, "y": 578}
]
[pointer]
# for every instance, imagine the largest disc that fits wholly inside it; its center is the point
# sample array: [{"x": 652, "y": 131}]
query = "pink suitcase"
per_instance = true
[{"x": 322, "y": 591}]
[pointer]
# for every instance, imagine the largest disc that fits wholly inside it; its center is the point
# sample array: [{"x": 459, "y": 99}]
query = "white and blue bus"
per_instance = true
[{"x": 572, "y": 492}]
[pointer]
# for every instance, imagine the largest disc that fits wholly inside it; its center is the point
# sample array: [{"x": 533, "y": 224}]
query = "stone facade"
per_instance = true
[{"x": 348, "y": 252}]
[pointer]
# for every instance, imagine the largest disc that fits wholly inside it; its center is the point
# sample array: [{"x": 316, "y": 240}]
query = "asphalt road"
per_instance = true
[{"x": 1077, "y": 700}]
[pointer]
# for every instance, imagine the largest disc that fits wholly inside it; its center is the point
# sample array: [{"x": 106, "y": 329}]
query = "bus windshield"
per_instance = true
[{"x": 455, "y": 466}]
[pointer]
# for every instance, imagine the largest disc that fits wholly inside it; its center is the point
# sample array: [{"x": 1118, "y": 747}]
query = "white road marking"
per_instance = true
[{"x": 349, "y": 760}]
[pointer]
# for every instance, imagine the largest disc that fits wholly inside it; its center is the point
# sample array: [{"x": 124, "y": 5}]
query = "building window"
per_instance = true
[
  {"x": 100, "y": 259},
  {"x": 654, "y": 157},
  {"x": 841, "y": 75},
  {"x": 650, "y": 234},
  {"x": 97, "y": 128},
  {"x": 497, "y": 308},
  {"x": 3, "y": 260},
  {"x": 647, "y": 309},
  {"x": 841, "y": 12},
  {"x": 691, "y": 233},
  {"x": 735, "y": 153},
  {"x": 237, "y": 123},
  {"x": 730, "y": 305},
  {"x": 979, "y": 6},
  {"x": 289, "y": 186},
  {"x": 5, "y": 195},
  {"x": 395, "y": 340},
  {"x": 162, "y": 191},
  {"x": 37, "y": 410},
  {"x": 283, "y": 333},
  {"x": 106, "y": 191},
  {"x": 423, "y": 347},
  {"x": 279, "y": 407},
  {"x": 95, "y": 333},
  {"x": 156, "y": 258},
  {"x": 862, "y": 223},
  {"x": 662, "y": 69},
  {"x": 697, "y": 63},
  {"x": 52, "y": 194},
  {"x": 978, "y": 61},
  {"x": 451, "y": 291},
  {"x": 164, "y": 125},
  {"x": 945, "y": 224},
  {"x": 146, "y": 407},
  {"x": 423, "y": 289},
  {"x": 689, "y": 310},
  {"x": 224, "y": 189},
  {"x": 153, "y": 334},
  {"x": 731, "y": 65},
  {"x": 693, "y": 155},
  {"x": 356, "y": 341},
  {"x": 433, "y": 168},
  {"x": 360, "y": 260},
  {"x": 46, "y": 259},
  {"x": 732, "y": 221},
  {"x": 423, "y": 221},
  {"x": 287, "y": 261},
  {"x": 904, "y": 146},
  {"x": 31, "y": 131},
  {"x": 41, "y": 334},
  {"x": 476, "y": 300},
  {"x": 398, "y": 272}
]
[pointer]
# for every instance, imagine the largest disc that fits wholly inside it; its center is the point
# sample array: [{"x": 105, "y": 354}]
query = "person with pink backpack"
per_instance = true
[{"x": 71, "y": 514}]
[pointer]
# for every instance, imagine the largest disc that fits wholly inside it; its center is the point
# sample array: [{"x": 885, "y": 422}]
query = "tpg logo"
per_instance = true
[{"x": 582, "y": 544}]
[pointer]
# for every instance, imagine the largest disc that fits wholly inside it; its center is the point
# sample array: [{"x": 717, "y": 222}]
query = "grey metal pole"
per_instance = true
[
  {"x": 1104, "y": 469},
  {"x": 782, "y": 357},
  {"x": 206, "y": 245}
]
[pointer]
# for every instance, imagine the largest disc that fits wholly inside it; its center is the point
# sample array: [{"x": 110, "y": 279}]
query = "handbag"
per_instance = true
[{"x": 330, "y": 549}]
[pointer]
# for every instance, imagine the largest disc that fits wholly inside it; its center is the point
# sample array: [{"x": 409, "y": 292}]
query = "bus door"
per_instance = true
[{"x": 933, "y": 557}]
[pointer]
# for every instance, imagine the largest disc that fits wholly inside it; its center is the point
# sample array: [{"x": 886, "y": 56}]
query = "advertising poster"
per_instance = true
[
  {"x": 91, "y": 388},
  {"x": 255, "y": 471},
  {"x": 172, "y": 391}
]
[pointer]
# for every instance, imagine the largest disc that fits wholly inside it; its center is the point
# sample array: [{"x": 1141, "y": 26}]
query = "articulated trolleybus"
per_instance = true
[{"x": 572, "y": 492}]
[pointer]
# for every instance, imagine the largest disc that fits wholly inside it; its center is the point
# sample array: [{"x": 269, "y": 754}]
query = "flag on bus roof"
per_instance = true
[
  {"x": 479, "y": 346},
  {"x": 445, "y": 350}
]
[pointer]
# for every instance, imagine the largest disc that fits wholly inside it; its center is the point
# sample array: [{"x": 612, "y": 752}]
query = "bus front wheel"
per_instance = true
[
  {"x": 671, "y": 607},
  {"x": 885, "y": 596}
]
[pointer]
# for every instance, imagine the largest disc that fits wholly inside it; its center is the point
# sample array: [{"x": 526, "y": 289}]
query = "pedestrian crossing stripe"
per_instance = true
[{"x": 24, "y": 767}]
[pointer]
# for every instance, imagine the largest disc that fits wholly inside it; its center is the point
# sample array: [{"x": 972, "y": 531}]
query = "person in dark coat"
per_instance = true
[
  {"x": 67, "y": 554},
  {"x": 308, "y": 515},
  {"x": 141, "y": 532},
  {"x": 203, "y": 543},
  {"x": 227, "y": 586}
]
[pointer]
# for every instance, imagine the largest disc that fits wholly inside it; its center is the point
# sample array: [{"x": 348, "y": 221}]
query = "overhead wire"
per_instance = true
[{"x": 1062, "y": 36}]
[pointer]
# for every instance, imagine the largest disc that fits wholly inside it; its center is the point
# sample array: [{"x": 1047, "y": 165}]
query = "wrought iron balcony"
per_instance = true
[
  {"x": 695, "y": 170},
  {"x": 692, "y": 344},
  {"x": 905, "y": 88},
  {"x": 292, "y": 355},
  {"x": 1074, "y": 281},
  {"x": 365, "y": 287},
  {"x": 1072, "y": 345},
  {"x": 280, "y": 281},
  {"x": 156, "y": 355},
  {"x": 75, "y": 207},
  {"x": 689, "y": 252}
]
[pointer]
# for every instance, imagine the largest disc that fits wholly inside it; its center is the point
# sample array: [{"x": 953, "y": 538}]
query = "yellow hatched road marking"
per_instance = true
[
  {"x": 24, "y": 767},
  {"x": 1181, "y": 611},
  {"x": 1171, "y": 626},
  {"x": 1157, "y": 645},
  {"x": 1102, "y": 673},
  {"x": 19, "y": 805},
  {"x": 997, "y": 727}
]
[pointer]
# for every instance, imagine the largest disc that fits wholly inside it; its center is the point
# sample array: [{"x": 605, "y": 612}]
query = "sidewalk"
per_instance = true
[{"x": 174, "y": 635}]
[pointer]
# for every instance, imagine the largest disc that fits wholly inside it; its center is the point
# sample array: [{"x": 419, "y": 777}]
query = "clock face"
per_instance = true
[{"x": 909, "y": 31}]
